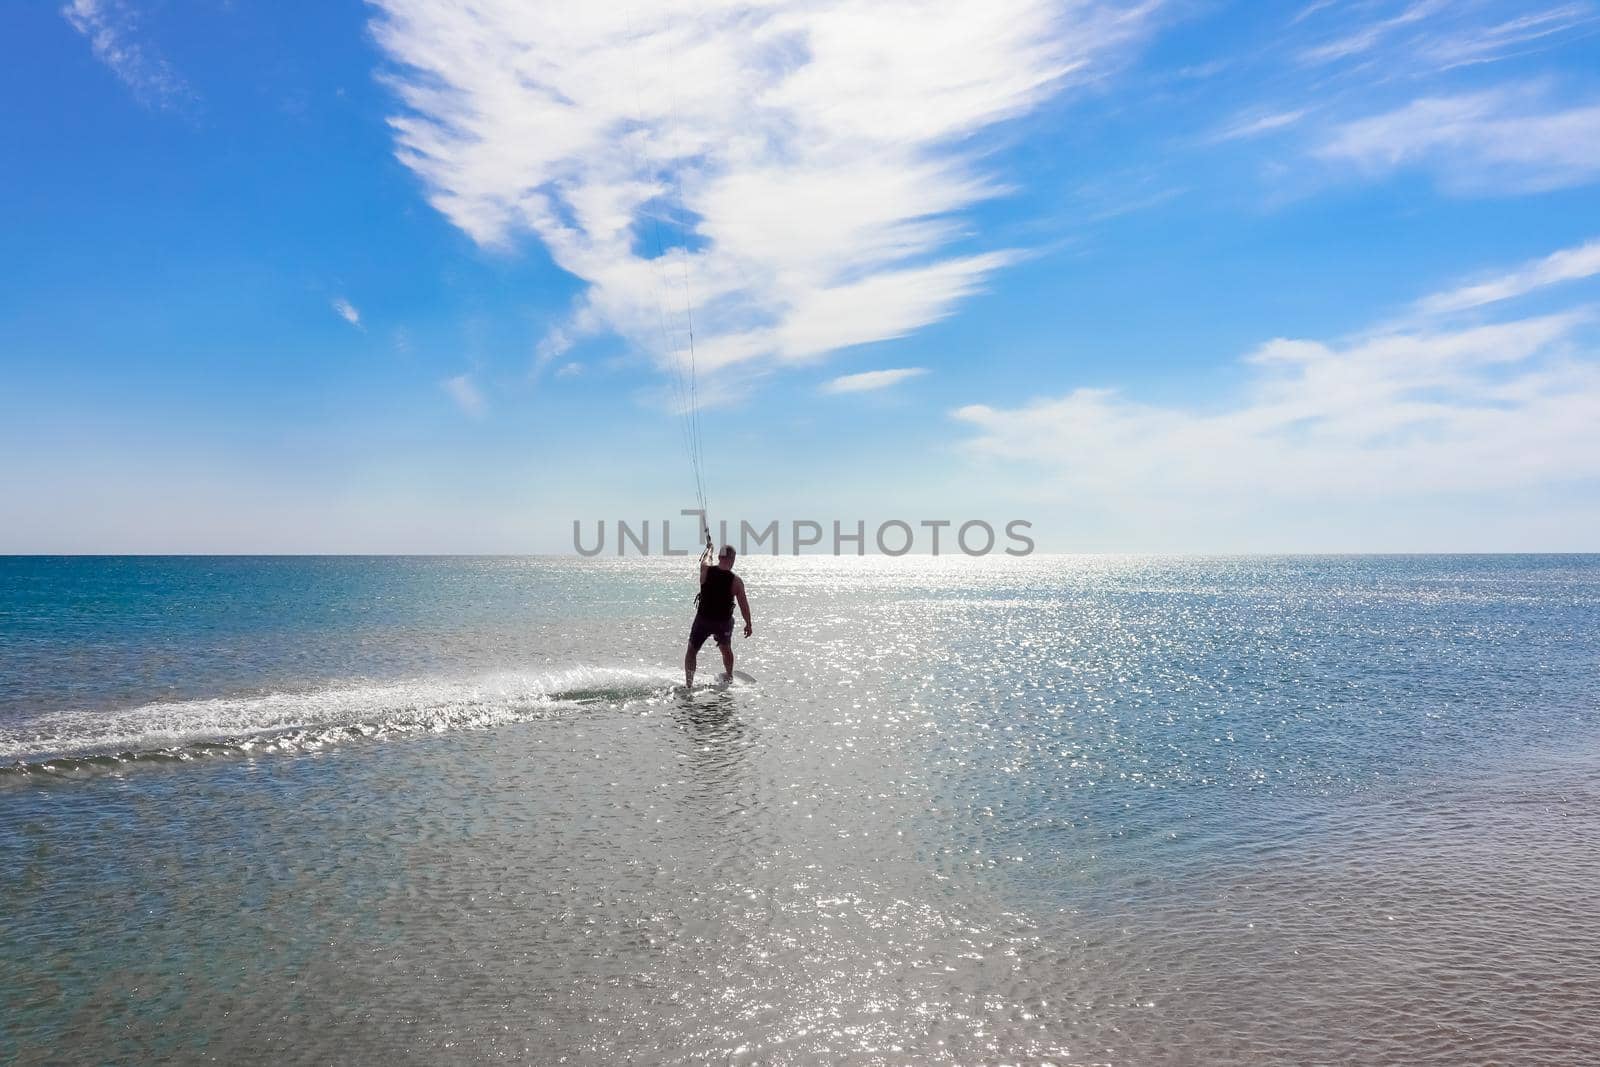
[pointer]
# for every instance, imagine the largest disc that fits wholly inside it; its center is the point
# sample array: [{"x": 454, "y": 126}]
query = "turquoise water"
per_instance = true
[{"x": 1083, "y": 810}]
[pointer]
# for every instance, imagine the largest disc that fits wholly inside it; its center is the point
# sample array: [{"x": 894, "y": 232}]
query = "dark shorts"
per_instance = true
[{"x": 721, "y": 629}]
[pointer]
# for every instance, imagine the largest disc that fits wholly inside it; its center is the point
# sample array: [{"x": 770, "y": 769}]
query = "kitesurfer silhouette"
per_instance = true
[{"x": 719, "y": 588}]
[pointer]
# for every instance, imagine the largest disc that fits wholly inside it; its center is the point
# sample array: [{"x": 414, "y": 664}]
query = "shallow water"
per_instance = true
[{"x": 1083, "y": 810}]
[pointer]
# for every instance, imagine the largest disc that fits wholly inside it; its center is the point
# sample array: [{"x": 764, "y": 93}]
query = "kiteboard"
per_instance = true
[{"x": 721, "y": 681}]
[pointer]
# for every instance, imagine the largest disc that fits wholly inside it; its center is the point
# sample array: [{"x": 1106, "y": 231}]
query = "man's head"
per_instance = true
[{"x": 725, "y": 557}]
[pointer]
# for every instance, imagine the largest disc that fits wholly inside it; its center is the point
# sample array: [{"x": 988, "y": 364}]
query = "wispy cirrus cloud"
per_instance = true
[
  {"x": 1257, "y": 123},
  {"x": 1369, "y": 36},
  {"x": 1502, "y": 140},
  {"x": 1372, "y": 88},
  {"x": 792, "y": 171},
  {"x": 1517, "y": 35},
  {"x": 551, "y": 347},
  {"x": 1311, "y": 9},
  {"x": 468, "y": 397},
  {"x": 1422, "y": 36},
  {"x": 112, "y": 29},
  {"x": 347, "y": 311},
  {"x": 867, "y": 381},
  {"x": 1567, "y": 265}
]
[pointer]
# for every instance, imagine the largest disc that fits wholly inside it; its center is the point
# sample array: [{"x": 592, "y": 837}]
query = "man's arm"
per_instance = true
[{"x": 744, "y": 605}]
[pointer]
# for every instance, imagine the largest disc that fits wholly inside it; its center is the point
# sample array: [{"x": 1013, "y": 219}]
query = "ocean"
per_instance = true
[{"x": 1076, "y": 810}]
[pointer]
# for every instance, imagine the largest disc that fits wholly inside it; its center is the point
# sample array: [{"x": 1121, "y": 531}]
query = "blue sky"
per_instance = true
[{"x": 1172, "y": 276}]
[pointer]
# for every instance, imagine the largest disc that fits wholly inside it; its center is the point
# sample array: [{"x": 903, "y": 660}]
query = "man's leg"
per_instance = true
[
  {"x": 727, "y": 657},
  {"x": 697, "y": 637}
]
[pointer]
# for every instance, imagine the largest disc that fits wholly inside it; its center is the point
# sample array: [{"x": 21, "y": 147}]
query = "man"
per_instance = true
[{"x": 719, "y": 588}]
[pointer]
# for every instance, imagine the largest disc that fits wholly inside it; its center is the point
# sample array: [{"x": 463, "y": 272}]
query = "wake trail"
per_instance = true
[{"x": 299, "y": 721}]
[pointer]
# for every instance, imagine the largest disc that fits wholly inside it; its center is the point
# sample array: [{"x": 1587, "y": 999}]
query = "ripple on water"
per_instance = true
[{"x": 1129, "y": 811}]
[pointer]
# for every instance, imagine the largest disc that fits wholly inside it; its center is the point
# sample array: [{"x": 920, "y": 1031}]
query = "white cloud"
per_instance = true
[
  {"x": 1369, "y": 36},
  {"x": 872, "y": 379},
  {"x": 817, "y": 153},
  {"x": 1378, "y": 89},
  {"x": 569, "y": 370},
  {"x": 1257, "y": 124},
  {"x": 468, "y": 397},
  {"x": 1430, "y": 36},
  {"x": 1495, "y": 141},
  {"x": 1311, "y": 9},
  {"x": 1513, "y": 36},
  {"x": 1567, "y": 265},
  {"x": 347, "y": 311},
  {"x": 110, "y": 26},
  {"x": 555, "y": 344},
  {"x": 1489, "y": 409}
]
